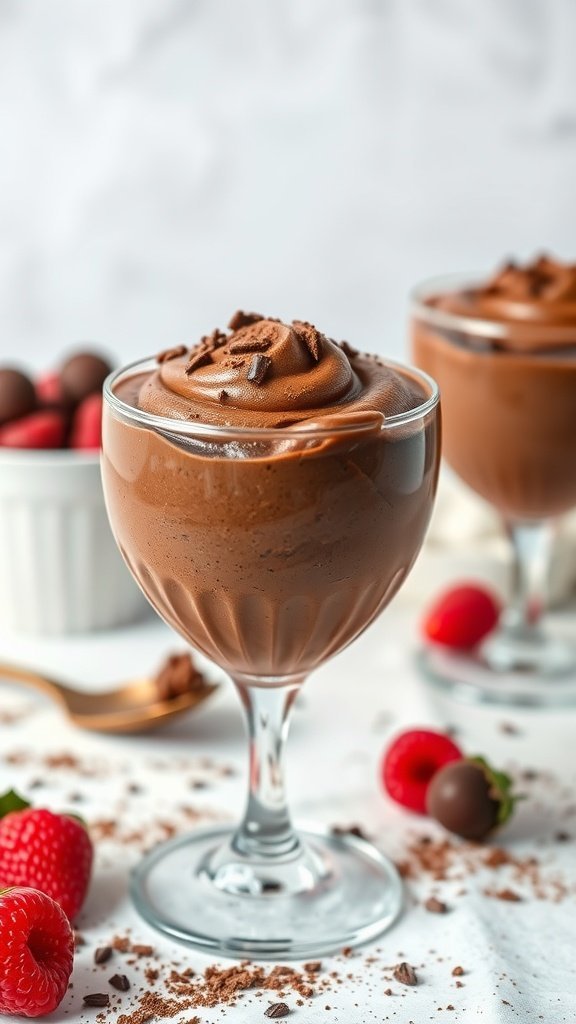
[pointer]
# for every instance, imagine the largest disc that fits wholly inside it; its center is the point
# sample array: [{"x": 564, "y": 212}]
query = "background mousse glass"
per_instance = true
[
  {"x": 269, "y": 551},
  {"x": 509, "y": 432}
]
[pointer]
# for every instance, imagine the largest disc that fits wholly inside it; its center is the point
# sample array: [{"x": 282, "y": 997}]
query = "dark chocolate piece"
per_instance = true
[
  {"x": 171, "y": 353},
  {"x": 435, "y": 906},
  {"x": 277, "y": 1010},
  {"x": 311, "y": 337},
  {"x": 241, "y": 319},
  {"x": 258, "y": 369},
  {"x": 97, "y": 999},
  {"x": 103, "y": 954},
  {"x": 250, "y": 345},
  {"x": 119, "y": 982},
  {"x": 198, "y": 359}
]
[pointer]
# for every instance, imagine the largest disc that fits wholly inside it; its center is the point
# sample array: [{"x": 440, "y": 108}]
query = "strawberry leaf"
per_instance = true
[{"x": 12, "y": 801}]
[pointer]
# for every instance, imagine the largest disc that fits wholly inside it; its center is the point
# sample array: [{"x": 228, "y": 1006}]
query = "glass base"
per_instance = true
[
  {"x": 505, "y": 673},
  {"x": 335, "y": 891}
]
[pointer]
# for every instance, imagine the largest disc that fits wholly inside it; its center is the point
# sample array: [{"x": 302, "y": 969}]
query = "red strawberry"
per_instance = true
[
  {"x": 410, "y": 763},
  {"x": 47, "y": 851},
  {"x": 49, "y": 390},
  {"x": 36, "y": 953},
  {"x": 462, "y": 617},
  {"x": 39, "y": 430},
  {"x": 87, "y": 424}
]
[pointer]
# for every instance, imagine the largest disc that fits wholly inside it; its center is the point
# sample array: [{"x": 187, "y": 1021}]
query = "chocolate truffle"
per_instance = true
[
  {"x": 83, "y": 374},
  {"x": 17, "y": 395},
  {"x": 460, "y": 798}
]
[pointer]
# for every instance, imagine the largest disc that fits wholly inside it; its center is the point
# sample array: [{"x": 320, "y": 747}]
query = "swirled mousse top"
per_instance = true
[
  {"x": 527, "y": 299},
  {"x": 262, "y": 373}
]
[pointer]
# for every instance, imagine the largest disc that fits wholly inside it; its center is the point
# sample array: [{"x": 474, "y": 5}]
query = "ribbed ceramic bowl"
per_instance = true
[{"x": 60, "y": 569}]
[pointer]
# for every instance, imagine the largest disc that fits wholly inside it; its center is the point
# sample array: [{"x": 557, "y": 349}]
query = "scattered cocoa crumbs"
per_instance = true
[
  {"x": 151, "y": 1006},
  {"x": 277, "y": 1010},
  {"x": 121, "y": 943},
  {"x": 405, "y": 974},
  {"x": 435, "y": 906},
  {"x": 151, "y": 975},
  {"x": 497, "y": 857},
  {"x": 102, "y": 954},
  {"x": 119, "y": 982},
  {"x": 141, "y": 950},
  {"x": 457, "y": 972},
  {"x": 97, "y": 999},
  {"x": 508, "y": 895}
]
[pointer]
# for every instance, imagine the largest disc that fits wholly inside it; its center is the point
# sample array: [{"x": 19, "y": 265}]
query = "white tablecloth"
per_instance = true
[{"x": 517, "y": 956}]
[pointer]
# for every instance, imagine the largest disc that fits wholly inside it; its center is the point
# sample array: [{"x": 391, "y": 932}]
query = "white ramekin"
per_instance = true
[{"x": 60, "y": 569}]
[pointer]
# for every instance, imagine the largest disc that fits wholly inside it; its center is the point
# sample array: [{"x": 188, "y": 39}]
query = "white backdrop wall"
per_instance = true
[{"x": 165, "y": 161}]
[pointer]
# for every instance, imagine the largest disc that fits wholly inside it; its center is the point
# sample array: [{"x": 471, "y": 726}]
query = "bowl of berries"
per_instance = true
[{"x": 60, "y": 571}]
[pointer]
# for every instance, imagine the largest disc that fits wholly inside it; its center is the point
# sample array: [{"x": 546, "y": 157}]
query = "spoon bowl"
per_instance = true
[{"x": 133, "y": 706}]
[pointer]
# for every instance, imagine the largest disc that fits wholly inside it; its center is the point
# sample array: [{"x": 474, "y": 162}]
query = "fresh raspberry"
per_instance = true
[
  {"x": 36, "y": 953},
  {"x": 87, "y": 424},
  {"x": 50, "y": 852},
  {"x": 460, "y": 618},
  {"x": 39, "y": 430},
  {"x": 411, "y": 762}
]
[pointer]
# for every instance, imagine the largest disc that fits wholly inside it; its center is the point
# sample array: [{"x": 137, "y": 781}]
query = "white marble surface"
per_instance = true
[
  {"x": 163, "y": 161},
  {"x": 517, "y": 956}
]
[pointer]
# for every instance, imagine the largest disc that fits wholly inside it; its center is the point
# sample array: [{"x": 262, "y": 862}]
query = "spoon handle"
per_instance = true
[{"x": 34, "y": 679}]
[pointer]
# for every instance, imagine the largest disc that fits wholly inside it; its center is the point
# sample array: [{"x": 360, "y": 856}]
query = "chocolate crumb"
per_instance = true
[
  {"x": 277, "y": 1010},
  {"x": 79, "y": 940},
  {"x": 509, "y": 729},
  {"x": 258, "y": 369},
  {"x": 171, "y": 353},
  {"x": 348, "y": 349},
  {"x": 405, "y": 974},
  {"x": 457, "y": 972},
  {"x": 435, "y": 906},
  {"x": 119, "y": 982},
  {"x": 562, "y": 837},
  {"x": 141, "y": 950},
  {"x": 449, "y": 1007},
  {"x": 388, "y": 992},
  {"x": 349, "y": 830},
  {"x": 313, "y": 967},
  {"x": 198, "y": 359},
  {"x": 222, "y": 395},
  {"x": 311, "y": 338},
  {"x": 241, "y": 319},
  {"x": 347, "y": 951},
  {"x": 103, "y": 954},
  {"x": 97, "y": 999},
  {"x": 508, "y": 895}
]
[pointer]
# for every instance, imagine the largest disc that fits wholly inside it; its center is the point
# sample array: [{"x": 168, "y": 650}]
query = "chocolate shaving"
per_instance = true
[
  {"x": 171, "y": 353},
  {"x": 119, "y": 982},
  {"x": 241, "y": 319},
  {"x": 103, "y": 954},
  {"x": 198, "y": 359},
  {"x": 435, "y": 906},
  {"x": 97, "y": 999},
  {"x": 250, "y": 345},
  {"x": 258, "y": 369},
  {"x": 311, "y": 338},
  {"x": 277, "y": 1010},
  {"x": 405, "y": 974}
]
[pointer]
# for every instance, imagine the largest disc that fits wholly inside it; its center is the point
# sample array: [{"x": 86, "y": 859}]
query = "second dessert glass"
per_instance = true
[
  {"x": 269, "y": 550},
  {"x": 509, "y": 410}
]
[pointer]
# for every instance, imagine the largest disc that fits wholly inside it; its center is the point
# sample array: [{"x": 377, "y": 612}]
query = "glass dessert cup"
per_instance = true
[
  {"x": 269, "y": 551},
  {"x": 509, "y": 432}
]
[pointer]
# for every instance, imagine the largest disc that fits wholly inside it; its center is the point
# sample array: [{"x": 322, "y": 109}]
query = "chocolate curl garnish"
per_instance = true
[
  {"x": 311, "y": 338},
  {"x": 198, "y": 359},
  {"x": 171, "y": 353}
]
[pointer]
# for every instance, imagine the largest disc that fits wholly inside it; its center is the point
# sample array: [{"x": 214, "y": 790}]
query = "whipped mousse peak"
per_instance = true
[
  {"x": 265, "y": 373},
  {"x": 541, "y": 291}
]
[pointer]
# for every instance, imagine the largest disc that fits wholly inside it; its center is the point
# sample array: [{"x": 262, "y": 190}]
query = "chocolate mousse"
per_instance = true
[
  {"x": 270, "y": 489},
  {"x": 504, "y": 354}
]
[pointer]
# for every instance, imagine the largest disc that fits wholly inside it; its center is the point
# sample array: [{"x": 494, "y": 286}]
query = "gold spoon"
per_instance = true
[{"x": 132, "y": 707}]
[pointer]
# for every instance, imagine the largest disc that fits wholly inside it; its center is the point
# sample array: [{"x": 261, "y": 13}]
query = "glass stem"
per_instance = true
[
  {"x": 266, "y": 830},
  {"x": 532, "y": 548}
]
